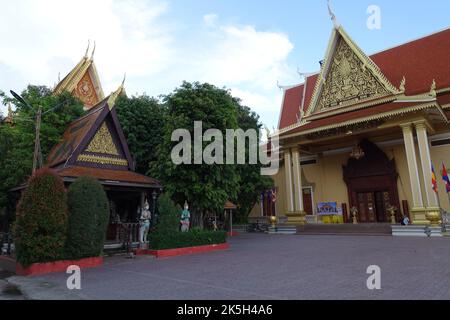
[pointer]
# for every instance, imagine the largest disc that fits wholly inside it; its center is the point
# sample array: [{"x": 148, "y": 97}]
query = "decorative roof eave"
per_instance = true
[
  {"x": 337, "y": 32},
  {"x": 364, "y": 119}
]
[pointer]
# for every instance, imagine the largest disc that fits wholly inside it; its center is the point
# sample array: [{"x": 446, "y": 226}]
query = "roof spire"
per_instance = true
[
  {"x": 93, "y": 51},
  {"x": 113, "y": 97},
  {"x": 333, "y": 16},
  {"x": 87, "y": 49}
]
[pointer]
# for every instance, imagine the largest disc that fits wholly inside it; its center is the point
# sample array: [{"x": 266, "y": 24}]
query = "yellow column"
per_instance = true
[
  {"x": 288, "y": 177},
  {"x": 298, "y": 188},
  {"x": 433, "y": 211},
  {"x": 418, "y": 209},
  {"x": 425, "y": 159}
]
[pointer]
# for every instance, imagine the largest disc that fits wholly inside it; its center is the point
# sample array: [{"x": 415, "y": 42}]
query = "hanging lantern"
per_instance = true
[{"x": 357, "y": 153}]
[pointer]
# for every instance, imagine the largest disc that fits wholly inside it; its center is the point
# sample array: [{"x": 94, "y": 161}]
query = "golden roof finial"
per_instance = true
[
  {"x": 93, "y": 51},
  {"x": 87, "y": 49},
  {"x": 403, "y": 85},
  {"x": 433, "y": 88},
  {"x": 332, "y": 15},
  {"x": 113, "y": 97}
]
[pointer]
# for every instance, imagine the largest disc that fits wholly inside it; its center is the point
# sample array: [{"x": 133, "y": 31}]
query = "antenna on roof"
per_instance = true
[
  {"x": 332, "y": 15},
  {"x": 93, "y": 50},
  {"x": 87, "y": 49}
]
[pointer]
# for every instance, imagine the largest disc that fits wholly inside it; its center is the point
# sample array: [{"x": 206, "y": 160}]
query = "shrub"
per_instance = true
[
  {"x": 169, "y": 216},
  {"x": 88, "y": 218},
  {"x": 192, "y": 238},
  {"x": 166, "y": 234},
  {"x": 41, "y": 225}
]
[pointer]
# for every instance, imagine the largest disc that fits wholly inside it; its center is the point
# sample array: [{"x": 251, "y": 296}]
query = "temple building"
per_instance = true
[{"x": 358, "y": 139}]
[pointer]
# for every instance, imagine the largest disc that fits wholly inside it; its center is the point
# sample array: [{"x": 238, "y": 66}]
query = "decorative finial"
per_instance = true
[
  {"x": 87, "y": 49},
  {"x": 59, "y": 77},
  {"x": 433, "y": 88},
  {"x": 403, "y": 85},
  {"x": 332, "y": 15},
  {"x": 93, "y": 51},
  {"x": 304, "y": 75},
  {"x": 124, "y": 78}
]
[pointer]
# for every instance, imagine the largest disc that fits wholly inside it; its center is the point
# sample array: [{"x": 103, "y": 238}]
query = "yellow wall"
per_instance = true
[{"x": 326, "y": 177}]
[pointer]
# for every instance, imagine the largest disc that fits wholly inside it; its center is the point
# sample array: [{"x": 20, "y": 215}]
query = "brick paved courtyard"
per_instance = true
[{"x": 271, "y": 267}]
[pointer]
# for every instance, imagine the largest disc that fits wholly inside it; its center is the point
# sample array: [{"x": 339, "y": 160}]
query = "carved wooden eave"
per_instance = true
[{"x": 348, "y": 77}]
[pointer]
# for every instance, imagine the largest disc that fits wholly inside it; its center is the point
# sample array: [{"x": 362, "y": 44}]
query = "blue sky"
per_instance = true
[{"x": 245, "y": 45}]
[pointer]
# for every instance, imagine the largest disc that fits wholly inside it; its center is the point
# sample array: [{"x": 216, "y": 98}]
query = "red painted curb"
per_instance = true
[
  {"x": 233, "y": 234},
  {"x": 183, "y": 251},
  {"x": 57, "y": 266}
]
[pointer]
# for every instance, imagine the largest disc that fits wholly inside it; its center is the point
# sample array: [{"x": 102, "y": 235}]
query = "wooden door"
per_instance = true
[
  {"x": 307, "y": 201},
  {"x": 383, "y": 201},
  {"x": 367, "y": 207}
]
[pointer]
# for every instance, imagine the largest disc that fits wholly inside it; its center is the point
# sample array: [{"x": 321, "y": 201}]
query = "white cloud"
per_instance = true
[{"x": 42, "y": 38}]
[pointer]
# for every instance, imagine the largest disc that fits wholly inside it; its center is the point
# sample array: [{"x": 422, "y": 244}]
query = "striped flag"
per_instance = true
[
  {"x": 433, "y": 179},
  {"x": 445, "y": 178}
]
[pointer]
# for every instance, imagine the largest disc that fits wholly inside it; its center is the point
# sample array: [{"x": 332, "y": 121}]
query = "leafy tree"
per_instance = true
[
  {"x": 252, "y": 183},
  {"x": 88, "y": 218},
  {"x": 17, "y": 141},
  {"x": 205, "y": 187},
  {"x": 142, "y": 119},
  {"x": 169, "y": 216},
  {"x": 41, "y": 226}
]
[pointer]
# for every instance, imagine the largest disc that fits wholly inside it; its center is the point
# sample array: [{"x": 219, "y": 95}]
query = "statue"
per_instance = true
[
  {"x": 144, "y": 223},
  {"x": 185, "y": 218},
  {"x": 354, "y": 212}
]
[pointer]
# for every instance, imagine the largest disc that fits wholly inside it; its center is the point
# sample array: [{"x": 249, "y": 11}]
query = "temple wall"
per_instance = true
[{"x": 326, "y": 178}]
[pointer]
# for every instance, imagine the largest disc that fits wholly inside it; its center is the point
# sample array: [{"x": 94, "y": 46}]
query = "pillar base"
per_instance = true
[
  {"x": 419, "y": 217},
  {"x": 433, "y": 215},
  {"x": 296, "y": 218}
]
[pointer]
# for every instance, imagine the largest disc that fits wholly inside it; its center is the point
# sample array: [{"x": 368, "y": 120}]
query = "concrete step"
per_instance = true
[
  {"x": 283, "y": 230},
  {"x": 346, "y": 229}
]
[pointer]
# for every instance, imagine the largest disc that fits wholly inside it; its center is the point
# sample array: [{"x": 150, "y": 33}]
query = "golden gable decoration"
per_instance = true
[
  {"x": 103, "y": 142},
  {"x": 349, "y": 80}
]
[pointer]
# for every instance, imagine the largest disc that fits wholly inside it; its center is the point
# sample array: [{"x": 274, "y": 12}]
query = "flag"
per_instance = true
[
  {"x": 445, "y": 178},
  {"x": 433, "y": 179}
]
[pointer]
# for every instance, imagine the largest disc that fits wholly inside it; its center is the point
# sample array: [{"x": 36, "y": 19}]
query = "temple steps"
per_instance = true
[{"x": 365, "y": 229}]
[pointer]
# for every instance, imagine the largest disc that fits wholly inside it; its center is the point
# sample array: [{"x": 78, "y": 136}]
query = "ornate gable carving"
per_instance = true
[
  {"x": 85, "y": 91},
  {"x": 348, "y": 77},
  {"x": 103, "y": 142},
  {"x": 349, "y": 80}
]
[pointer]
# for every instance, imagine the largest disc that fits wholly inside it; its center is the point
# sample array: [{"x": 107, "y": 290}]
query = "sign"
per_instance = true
[{"x": 327, "y": 209}]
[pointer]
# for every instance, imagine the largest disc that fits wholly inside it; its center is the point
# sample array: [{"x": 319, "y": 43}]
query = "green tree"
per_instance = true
[
  {"x": 41, "y": 226},
  {"x": 142, "y": 119},
  {"x": 252, "y": 183},
  {"x": 169, "y": 216},
  {"x": 17, "y": 141},
  {"x": 205, "y": 187},
  {"x": 88, "y": 218}
]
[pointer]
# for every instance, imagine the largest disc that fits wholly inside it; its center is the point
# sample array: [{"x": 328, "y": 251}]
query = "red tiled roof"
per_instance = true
[
  {"x": 73, "y": 136},
  {"x": 420, "y": 62},
  {"x": 122, "y": 176}
]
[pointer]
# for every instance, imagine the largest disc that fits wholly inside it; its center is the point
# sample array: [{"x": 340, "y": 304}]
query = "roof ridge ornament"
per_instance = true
[
  {"x": 87, "y": 49},
  {"x": 403, "y": 85},
  {"x": 113, "y": 97},
  {"x": 433, "y": 88},
  {"x": 93, "y": 51},
  {"x": 333, "y": 16}
]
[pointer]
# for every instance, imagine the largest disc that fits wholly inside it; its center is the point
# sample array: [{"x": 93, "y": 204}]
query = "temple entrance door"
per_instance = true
[
  {"x": 308, "y": 201},
  {"x": 372, "y": 206},
  {"x": 372, "y": 184}
]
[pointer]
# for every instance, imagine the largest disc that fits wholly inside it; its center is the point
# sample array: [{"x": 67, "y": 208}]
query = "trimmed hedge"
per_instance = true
[
  {"x": 193, "y": 238},
  {"x": 88, "y": 218},
  {"x": 166, "y": 234},
  {"x": 41, "y": 225}
]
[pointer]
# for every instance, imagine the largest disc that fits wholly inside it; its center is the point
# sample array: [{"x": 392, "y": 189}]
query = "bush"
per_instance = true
[
  {"x": 192, "y": 238},
  {"x": 166, "y": 234},
  {"x": 41, "y": 226},
  {"x": 88, "y": 218},
  {"x": 169, "y": 216}
]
